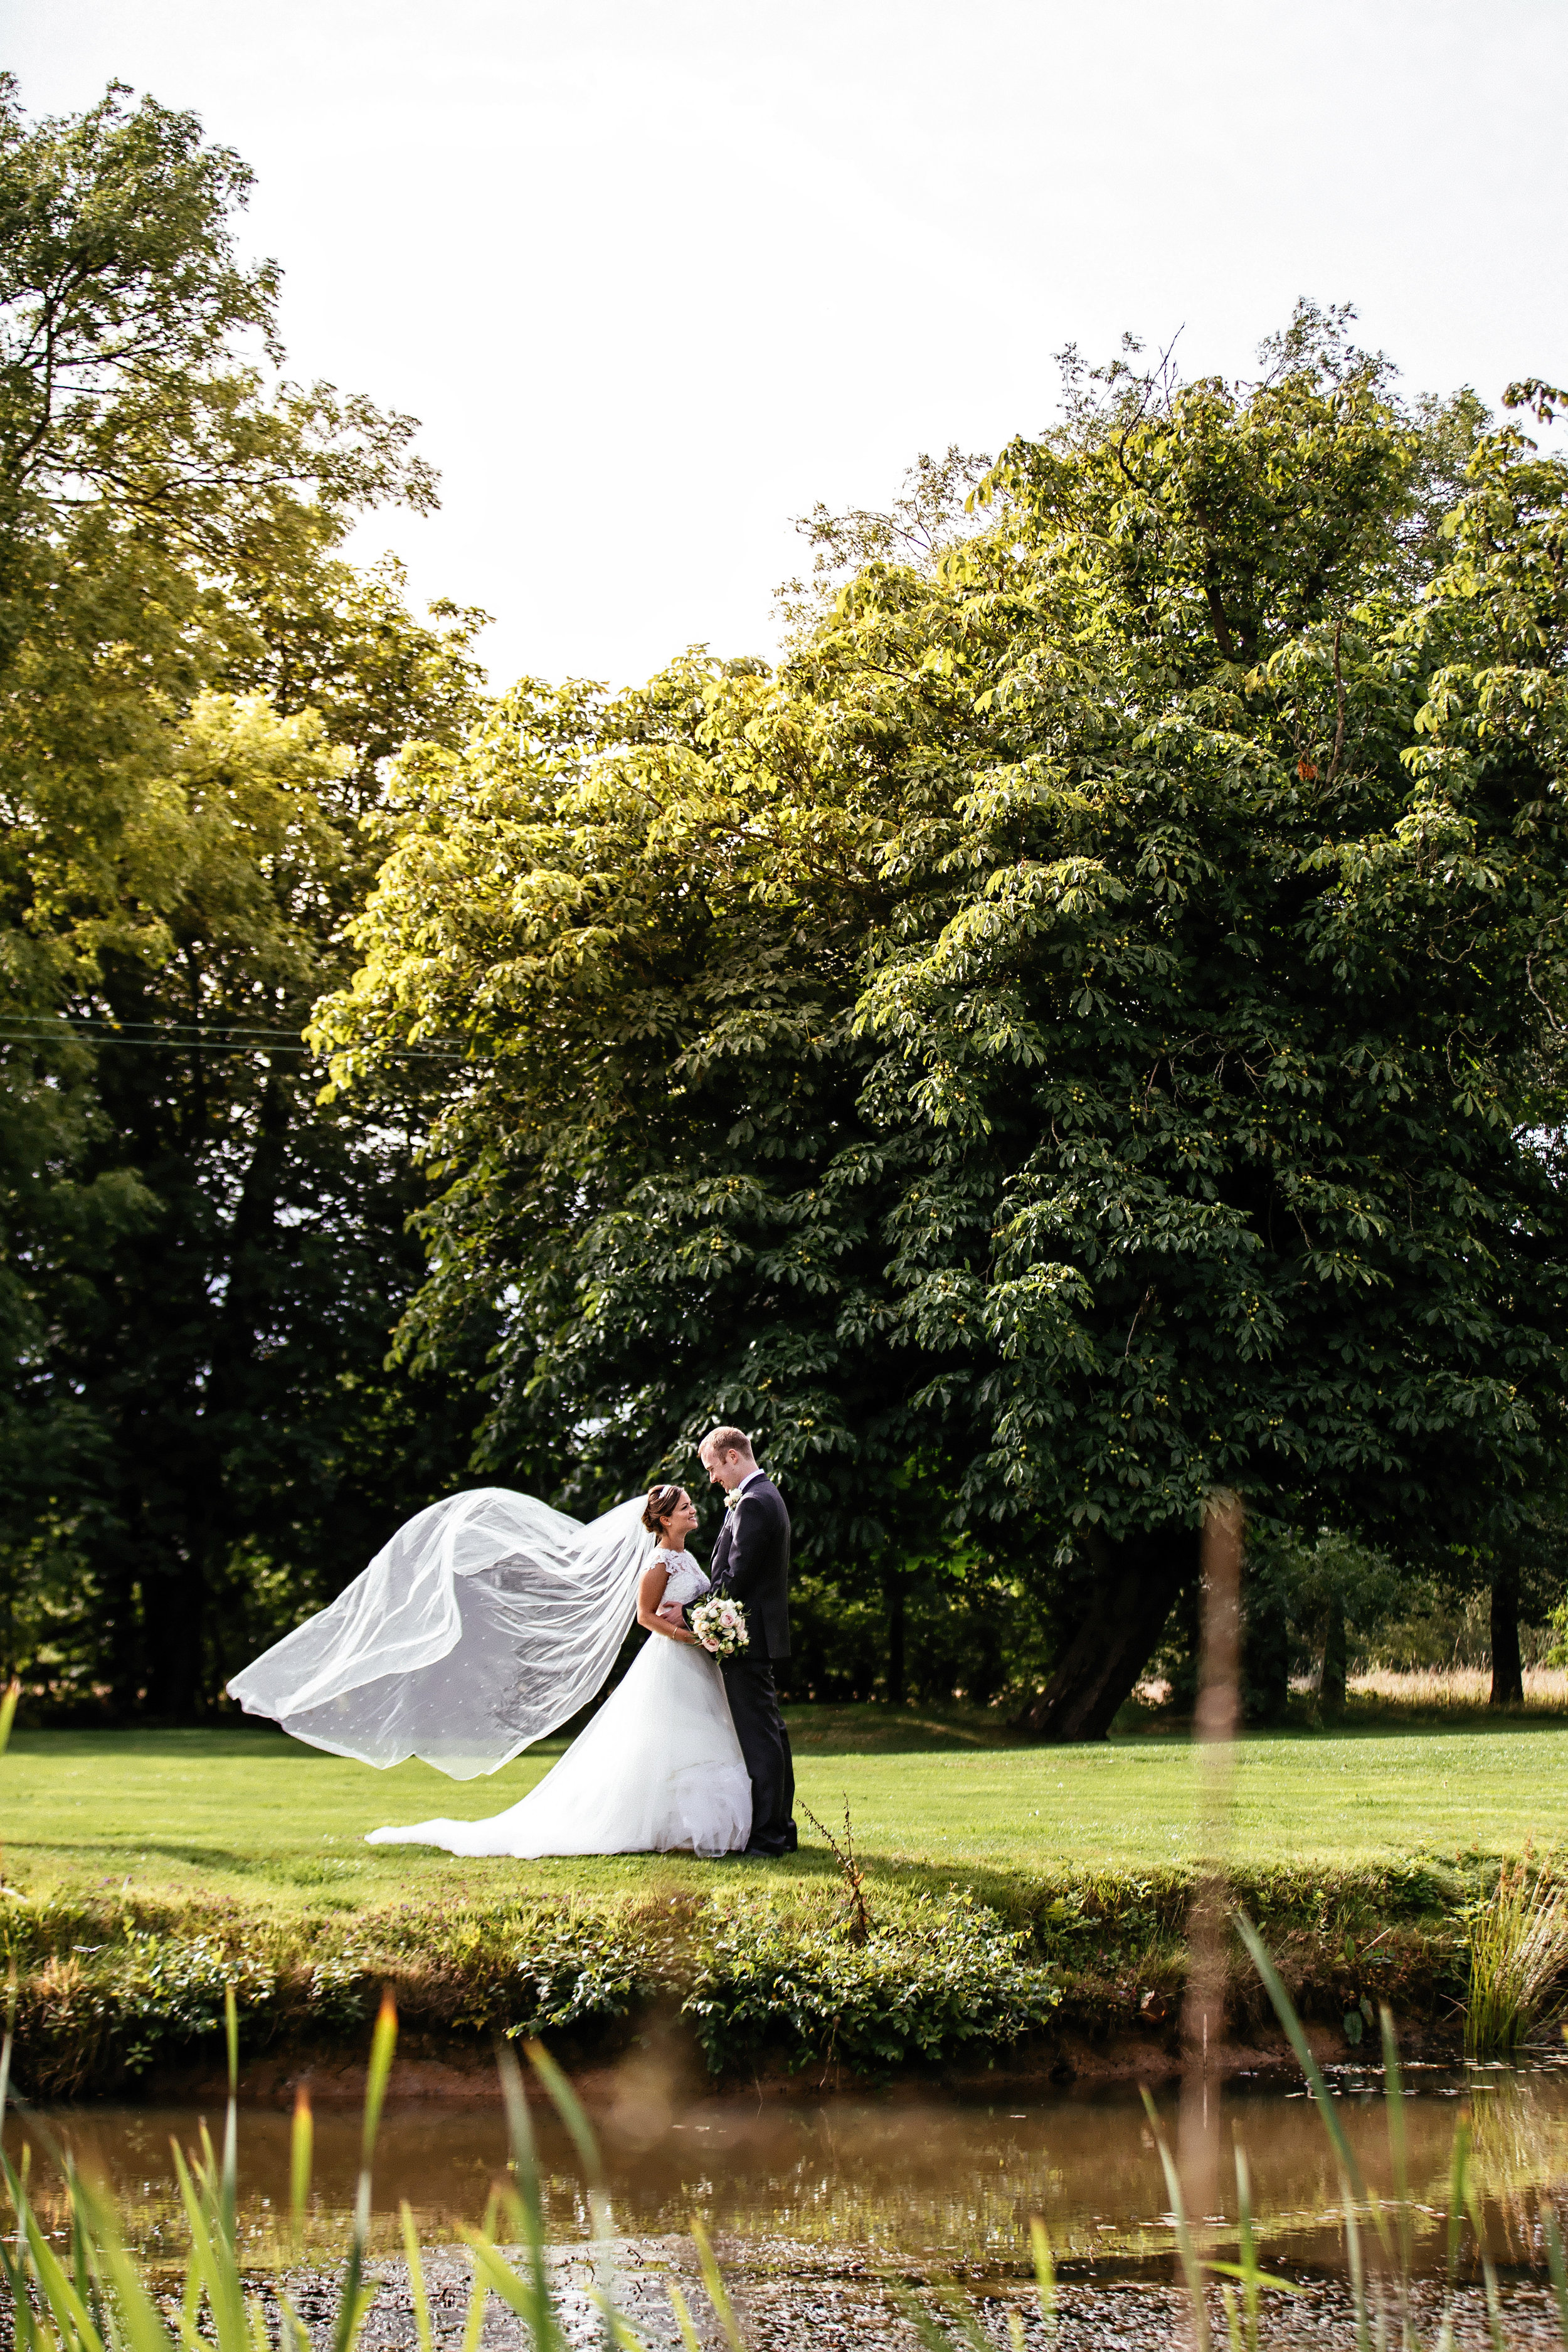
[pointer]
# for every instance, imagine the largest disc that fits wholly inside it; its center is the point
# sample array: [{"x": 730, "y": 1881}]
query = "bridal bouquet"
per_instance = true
[{"x": 719, "y": 1626}]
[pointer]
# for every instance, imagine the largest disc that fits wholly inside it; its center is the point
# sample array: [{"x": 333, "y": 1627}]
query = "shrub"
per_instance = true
[{"x": 950, "y": 1979}]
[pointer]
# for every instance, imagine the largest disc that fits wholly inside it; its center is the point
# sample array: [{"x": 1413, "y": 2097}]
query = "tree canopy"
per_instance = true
[
  {"x": 1086, "y": 1033},
  {"x": 1081, "y": 1033}
]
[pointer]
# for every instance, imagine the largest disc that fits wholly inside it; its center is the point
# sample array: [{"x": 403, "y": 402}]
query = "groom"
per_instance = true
[{"x": 751, "y": 1562}]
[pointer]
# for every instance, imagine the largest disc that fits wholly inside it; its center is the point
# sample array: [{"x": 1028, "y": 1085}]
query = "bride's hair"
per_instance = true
[{"x": 661, "y": 1501}]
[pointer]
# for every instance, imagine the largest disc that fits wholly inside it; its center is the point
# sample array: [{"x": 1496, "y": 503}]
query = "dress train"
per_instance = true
[{"x": 657, "y": 1770}]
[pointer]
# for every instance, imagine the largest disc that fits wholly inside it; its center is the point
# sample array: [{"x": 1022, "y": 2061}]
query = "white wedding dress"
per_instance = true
[{"x": 657, "y": 1770}]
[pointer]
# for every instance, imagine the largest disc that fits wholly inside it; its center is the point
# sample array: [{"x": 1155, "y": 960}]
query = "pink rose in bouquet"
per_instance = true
[{"x": 720, "y": 1625}]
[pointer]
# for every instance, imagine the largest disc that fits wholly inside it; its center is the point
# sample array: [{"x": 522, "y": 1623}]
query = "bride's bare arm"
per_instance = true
[{"x": 651, "y": 1593}]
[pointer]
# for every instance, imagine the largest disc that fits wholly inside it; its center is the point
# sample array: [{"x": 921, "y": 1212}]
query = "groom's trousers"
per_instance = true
[{"x": 764, "y": 1744}]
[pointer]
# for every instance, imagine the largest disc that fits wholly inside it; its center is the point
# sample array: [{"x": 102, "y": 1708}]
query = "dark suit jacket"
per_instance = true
[{"x": 751, "y": 1562}]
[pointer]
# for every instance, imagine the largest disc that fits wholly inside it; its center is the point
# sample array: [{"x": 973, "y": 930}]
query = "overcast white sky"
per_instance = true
[{"x": 660, "y": 274}]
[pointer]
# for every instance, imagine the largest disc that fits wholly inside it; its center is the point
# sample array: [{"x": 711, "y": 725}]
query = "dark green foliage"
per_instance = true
[
  {"x": 945, "y": 1977},
  {"x": 1266, "y": 1643},
  {"x": 200, "y": 1270},
  {"x": 914, "y": 1635},
  {"x": 927, "y": 1991},
  {"x": 1084, "y": 1036}
]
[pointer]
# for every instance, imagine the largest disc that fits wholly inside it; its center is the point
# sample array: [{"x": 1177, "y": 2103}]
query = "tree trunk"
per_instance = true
[
  {"x": 1135, "y": 1584},
  {"x": 1266, "y": 1650},
  {"x": 893, "y": 1592},
  {"x": 1507, "y": 1669},
  {"x": 175, "y": 1603},
  {"x": 1332, "y": 1688}
]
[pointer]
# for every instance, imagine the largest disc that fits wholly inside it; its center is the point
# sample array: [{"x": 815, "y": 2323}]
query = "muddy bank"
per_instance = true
[{"x": 664, "y": 2070}]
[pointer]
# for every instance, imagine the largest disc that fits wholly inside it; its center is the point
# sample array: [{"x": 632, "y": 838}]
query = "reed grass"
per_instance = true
[
  {"x": 1390, "y": 2281},
  {"x": 99, "y": 2299},
  {"x": 1518, "y": 1956},
  {"x": 94, "y": 2297}
]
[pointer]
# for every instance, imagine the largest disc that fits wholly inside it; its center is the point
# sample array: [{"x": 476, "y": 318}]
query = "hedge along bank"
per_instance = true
[
  {"x": 106, "y": 1993},
  {"x": 753, "y": 1985}
]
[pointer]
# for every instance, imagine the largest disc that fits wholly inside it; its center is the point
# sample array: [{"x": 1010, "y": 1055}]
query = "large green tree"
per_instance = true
[
  {"x": 1232, "y": 1010},
  {"x": 646, "y": 914},
  {"x": 1085, "y": 1034}
]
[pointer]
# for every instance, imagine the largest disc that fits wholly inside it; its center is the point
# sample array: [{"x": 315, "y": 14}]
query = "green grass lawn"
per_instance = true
[{"x": 247, "y": 1814}]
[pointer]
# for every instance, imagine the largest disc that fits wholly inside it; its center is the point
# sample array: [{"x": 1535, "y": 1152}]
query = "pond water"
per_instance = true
[{"x": 901, "y": 2179}]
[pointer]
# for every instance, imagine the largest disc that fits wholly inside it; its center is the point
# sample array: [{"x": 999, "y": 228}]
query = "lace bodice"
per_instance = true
[{"x": 688, "y": 1582}]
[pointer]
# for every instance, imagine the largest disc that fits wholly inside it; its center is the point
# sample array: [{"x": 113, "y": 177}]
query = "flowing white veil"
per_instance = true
[{"x": 485, "y": 1623}]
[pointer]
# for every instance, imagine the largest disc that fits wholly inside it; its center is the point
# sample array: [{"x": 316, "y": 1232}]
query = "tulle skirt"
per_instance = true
[{"x": 657, "y": 1770}]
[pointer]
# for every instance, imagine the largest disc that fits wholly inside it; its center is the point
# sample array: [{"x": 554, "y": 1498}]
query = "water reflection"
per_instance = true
[{"x": 943, "y": 2188}]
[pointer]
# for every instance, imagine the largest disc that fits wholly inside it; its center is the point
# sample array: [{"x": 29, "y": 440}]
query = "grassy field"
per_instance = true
[
  {"x": 160, "y": 1868},
  {"x": 247, "y": 1814}
]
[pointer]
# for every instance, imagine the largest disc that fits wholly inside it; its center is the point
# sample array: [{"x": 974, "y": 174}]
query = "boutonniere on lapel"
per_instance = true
[{"x": 732, "y": 1499}]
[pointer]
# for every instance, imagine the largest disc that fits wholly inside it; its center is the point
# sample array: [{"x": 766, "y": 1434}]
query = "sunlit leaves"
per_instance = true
[{"x": 1081, "y": 1024}]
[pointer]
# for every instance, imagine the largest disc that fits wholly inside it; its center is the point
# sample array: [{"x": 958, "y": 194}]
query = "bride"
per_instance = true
[{"x": 486, "y": 1621}]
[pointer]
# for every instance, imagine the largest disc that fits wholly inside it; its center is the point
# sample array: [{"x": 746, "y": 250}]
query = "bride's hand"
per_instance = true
[{"x": 663, "y": 1620}]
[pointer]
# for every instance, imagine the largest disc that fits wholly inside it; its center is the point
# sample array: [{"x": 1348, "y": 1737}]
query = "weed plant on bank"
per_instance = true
[{"x": 1518, "y": 1961}]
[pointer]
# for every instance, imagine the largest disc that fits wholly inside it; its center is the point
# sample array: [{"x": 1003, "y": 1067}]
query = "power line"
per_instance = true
[
  {"x": 185, "y": 1029},
  {"x": 172, "y": 1028},
  {"x": 226, "y": 1037}
]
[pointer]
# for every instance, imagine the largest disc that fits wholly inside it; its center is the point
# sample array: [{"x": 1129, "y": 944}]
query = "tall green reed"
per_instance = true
[
  {"x": 100, "y": 2300},
  {"x": 1518, "y": 1954},
  {"x": 92, "y": 2297},
  {"x": 1393, "y": 2219},
  {"x": 1241, "y": 2323}
]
